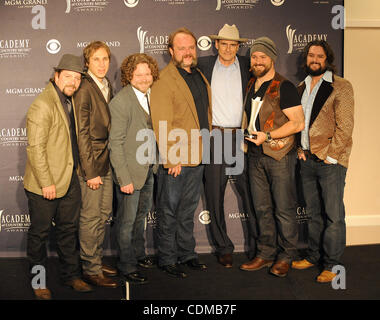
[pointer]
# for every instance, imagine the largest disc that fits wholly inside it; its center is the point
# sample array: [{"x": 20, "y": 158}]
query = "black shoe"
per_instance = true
[
  {"x": 136, "y": 277},
  {"x": 147, "y": 262},
  {"x": 195, "y": 264},
  {"x": 174, "y": 270}
]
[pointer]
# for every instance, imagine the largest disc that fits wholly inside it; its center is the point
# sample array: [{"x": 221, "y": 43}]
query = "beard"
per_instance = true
[
  {"x": 68, "y": 93},
  {"x": 315, "y": 72},
  {"x": 180, "y": 63},
  {"x": 262, "y": 73}
]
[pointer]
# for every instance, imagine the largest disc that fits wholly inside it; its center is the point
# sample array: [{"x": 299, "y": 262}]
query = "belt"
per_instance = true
[
  {"x": 311, "y": 156},
  {"x": 233, "y": 129}
]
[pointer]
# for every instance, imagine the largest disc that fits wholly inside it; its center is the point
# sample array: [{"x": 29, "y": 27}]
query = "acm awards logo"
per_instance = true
[
  {"x": 298, "y": 41},
  {"x": 151, "y": 219},
  {"x": 87, "y": 5},
  {"x": 14, "y": 222},
  {"x": 13, "y": 137},
  {"x": 237, "y": 4},
  {"x": 15, "y": 48},
  {"x": 153, "y": 44}
]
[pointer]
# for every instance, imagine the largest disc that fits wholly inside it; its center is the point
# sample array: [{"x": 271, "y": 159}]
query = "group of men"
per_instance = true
[{"x": 82, "y": 141}]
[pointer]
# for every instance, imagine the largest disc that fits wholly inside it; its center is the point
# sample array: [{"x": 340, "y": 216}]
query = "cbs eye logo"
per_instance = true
[
  {"x": 204, "y": 217},
  {"x": 131, "y": 3},
  {"x": 204, "y": 43},
  {"x": 53, "y": 46},
  {"x": 277, "y": 3}
]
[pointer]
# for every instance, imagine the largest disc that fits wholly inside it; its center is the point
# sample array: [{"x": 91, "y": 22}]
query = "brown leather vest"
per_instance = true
[{"x": 272, "y": 117}]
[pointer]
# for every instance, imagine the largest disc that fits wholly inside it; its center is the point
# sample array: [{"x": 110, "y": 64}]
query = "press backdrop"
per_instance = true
[{"x": 34, "y": 34}]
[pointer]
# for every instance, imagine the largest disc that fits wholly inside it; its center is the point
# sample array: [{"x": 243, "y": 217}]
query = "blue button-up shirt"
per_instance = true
[
  {"x": 227, "y": 95},
  {"x": 307, "y": 105}
]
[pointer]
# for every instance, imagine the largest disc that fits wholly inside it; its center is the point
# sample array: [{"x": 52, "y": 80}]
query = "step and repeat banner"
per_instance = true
[{"x": 34, "y": 34}]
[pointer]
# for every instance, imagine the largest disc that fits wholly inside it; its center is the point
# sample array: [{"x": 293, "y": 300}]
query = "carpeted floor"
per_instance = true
[{"x": 362, "y": 282}]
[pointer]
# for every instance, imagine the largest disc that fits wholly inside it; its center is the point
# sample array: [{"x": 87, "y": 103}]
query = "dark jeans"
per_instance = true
[
  {"x": 215, "y": 186},
  {"x": 65, "y": 212},
  {"x": 323, "y": 189},
  {"x": 130, "y": 219},
  {"x": 274, "y": 197},
  {"x": 177, "y": 200}
]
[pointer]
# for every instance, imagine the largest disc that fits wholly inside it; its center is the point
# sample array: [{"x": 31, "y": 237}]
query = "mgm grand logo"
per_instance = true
[
  {"x": 14, "y": 222},
  {"x": 153, "y": 44},
  {"x": 175, "y": 2},
  {"x": 235, "y": 4},
  {"x": 24, "y": 3},
  {"x": 86, "y": 5}
]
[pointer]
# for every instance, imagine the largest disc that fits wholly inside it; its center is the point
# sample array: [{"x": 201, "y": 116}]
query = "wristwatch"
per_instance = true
[{"x": 269, "y": 137}]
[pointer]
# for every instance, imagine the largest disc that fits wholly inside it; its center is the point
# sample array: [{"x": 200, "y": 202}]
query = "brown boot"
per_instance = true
[
  {"x": 100, "y": 280},
  {"x": 79, "y": 285},
  {"x": 42, "y": 294},
  {"x": 256, "y": 264},
  {"x": 280, "y": 268},
  {"x": 326, "y": 276}
]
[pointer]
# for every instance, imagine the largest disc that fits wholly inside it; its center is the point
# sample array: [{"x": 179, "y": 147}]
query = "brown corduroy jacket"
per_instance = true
[{"x": 332, "y": 120}]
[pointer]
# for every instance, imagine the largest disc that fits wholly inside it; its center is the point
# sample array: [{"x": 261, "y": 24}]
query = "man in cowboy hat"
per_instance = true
[
  {"x": 228, "y": 74},
  {"x": 51, "y": 183}
]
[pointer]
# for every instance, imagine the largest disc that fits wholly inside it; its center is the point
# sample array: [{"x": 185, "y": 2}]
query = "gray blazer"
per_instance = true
[{"x": 127, "y": 119}]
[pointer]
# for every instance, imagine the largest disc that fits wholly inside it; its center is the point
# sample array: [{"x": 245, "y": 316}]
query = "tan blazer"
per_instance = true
[
  {"x": 332, "y": 120},
  {"x": 172, "y": 102},
  {"x": 49, "y": 153}
]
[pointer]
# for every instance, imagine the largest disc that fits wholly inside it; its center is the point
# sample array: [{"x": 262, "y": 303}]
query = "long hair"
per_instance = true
[
  {"x": 330, "y": 57},
  {"x": 128, "y": 66}
]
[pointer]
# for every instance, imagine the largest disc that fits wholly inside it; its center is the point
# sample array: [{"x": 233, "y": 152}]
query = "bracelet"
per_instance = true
[{"x": 269, "y": 137}]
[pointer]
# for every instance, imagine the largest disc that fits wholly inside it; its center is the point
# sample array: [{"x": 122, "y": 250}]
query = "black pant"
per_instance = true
[
  {"x": 215, "y": 185},
  {"x": 65, "y": 212}
]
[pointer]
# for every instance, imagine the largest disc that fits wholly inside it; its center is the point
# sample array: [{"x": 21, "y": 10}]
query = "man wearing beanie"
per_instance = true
[
  {"x": 273, "y": 114},
  {"x": 228, "y": 73}
]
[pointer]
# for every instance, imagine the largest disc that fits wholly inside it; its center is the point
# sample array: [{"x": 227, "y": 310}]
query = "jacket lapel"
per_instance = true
[
  {"x": 184, "y": 89},
  {"x": 323, "y": 93},
  {"x": 60, "y": 107}
]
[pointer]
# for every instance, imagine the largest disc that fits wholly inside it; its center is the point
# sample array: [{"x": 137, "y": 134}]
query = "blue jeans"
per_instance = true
[
  {"x": 323, "y": 189},
  {"x": 130, "y": 219},
  {"x": 177, "y": 200},
  {"x": 273, "y": 188}
]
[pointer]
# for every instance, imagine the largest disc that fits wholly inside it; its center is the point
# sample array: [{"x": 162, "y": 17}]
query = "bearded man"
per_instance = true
[{"x": 272, "y": 159}]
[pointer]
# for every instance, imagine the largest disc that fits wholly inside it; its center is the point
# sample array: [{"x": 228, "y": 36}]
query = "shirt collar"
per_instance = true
[
  {"x": 235, "y": 64},
  {"x": 102, "y": 84},
  {"x": 327, "y": 76},
  {"x": 139, "y": 94}
]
